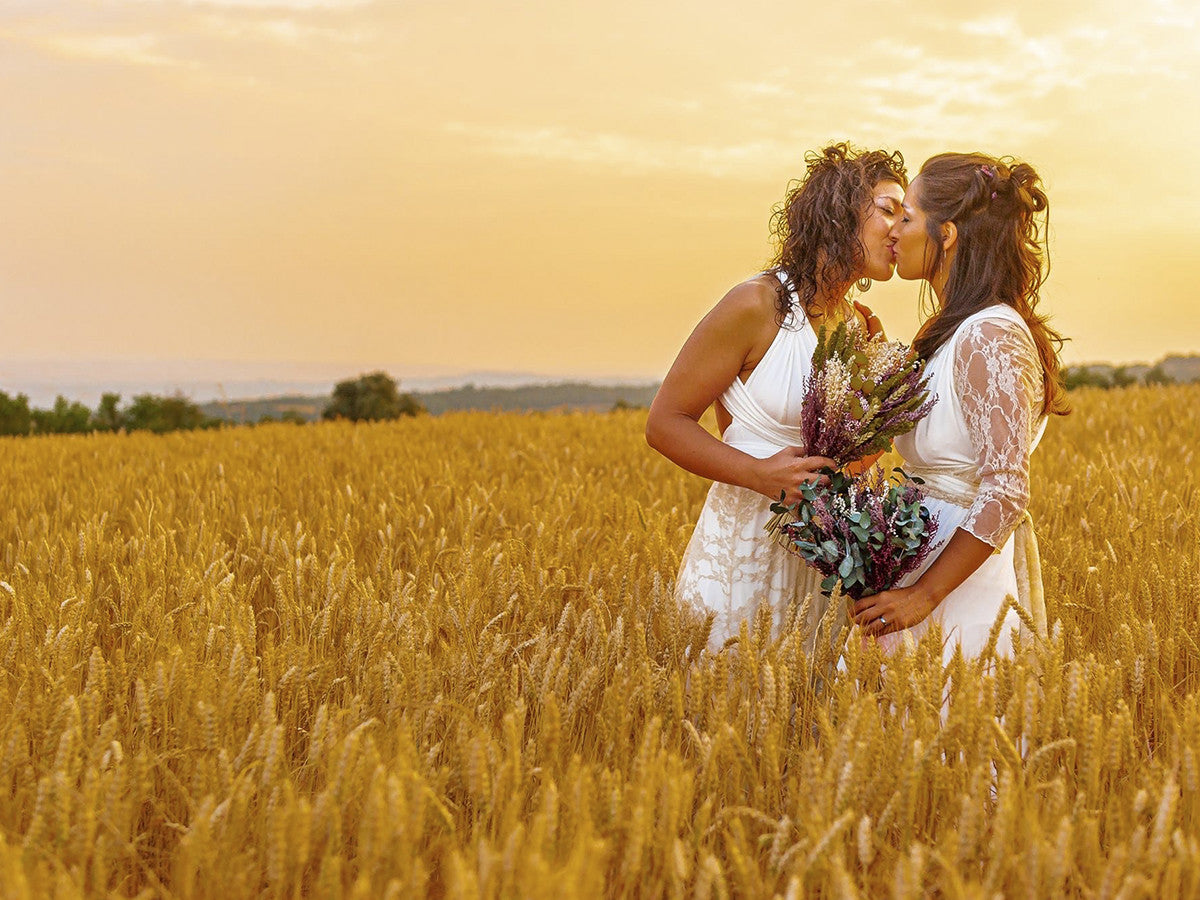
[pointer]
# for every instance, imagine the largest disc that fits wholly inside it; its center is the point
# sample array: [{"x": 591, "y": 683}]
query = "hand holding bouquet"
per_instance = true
[{"x": 866, "y": 532}]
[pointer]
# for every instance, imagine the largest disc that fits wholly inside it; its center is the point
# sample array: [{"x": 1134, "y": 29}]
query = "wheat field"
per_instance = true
[{"x": 440, "y": 657}]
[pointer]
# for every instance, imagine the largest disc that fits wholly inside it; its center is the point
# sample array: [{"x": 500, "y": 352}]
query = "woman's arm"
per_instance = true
[
  {"x": 736, "y": 331},
  {"x": 998, "y": 380}
]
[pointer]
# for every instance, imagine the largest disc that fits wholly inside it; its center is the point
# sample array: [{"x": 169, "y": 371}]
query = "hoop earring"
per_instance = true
[{"x": 864, "y": 284}]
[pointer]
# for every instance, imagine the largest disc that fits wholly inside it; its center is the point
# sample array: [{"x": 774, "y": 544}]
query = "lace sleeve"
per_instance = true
[{"x": 998, "y": 376}]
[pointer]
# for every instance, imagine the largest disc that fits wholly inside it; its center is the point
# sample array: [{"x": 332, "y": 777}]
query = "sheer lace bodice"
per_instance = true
[{"x": 988, "y": 418}]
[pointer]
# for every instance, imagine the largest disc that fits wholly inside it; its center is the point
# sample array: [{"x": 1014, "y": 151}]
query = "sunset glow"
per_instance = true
[{"x": 561, "y": 188}]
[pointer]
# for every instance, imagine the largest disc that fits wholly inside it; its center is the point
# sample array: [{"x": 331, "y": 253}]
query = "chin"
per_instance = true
[{"x": 883, "y": 273}]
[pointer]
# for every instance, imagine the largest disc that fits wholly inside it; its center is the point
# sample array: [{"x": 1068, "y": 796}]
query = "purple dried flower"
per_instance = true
[
  {"x": 861, "y": 393},
  {"x": 865, "y": 533}
]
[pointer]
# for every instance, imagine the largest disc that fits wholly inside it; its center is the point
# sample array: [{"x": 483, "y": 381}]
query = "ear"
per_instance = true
[{"x": 949, "y": 236}]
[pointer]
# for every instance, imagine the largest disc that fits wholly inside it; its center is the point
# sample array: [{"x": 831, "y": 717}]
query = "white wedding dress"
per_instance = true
[
  {"x": 973, "y": 452},
  {"x": 731, "y": 567}
]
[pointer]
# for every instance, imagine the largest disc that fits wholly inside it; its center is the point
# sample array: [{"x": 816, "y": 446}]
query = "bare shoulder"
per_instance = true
[{"x": 752, "y": 304}]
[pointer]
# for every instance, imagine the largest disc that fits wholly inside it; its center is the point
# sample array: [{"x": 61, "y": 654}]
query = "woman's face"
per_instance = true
[
  {"x": 874, "y": 232},
  {"x": 913, "y": 251}
]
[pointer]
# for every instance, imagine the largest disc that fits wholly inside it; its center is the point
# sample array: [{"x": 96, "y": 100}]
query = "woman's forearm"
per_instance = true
[
  {"x": 690, "y": 446},
  {"x": 960, "y": 558}
]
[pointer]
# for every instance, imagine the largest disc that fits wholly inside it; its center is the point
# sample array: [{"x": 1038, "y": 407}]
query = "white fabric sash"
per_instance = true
[
  {"x": 953, "y": 486},
  {"x": 749, "y": 414}
]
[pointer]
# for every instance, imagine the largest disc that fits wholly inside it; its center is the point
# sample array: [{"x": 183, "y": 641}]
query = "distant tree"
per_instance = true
[
  {"x": 163, "y": 414},
  {"x": 292, "y": 417},
  {"x": 107, "y": 417},
  {"x": 1121, "y": 377},
  {"x": 370, "y": 397},
  {"x": 1082, "y": 376},
  {"x": 15, "y": 417},
  {"x": 1157, "y": 375},
  {"x": 66, "y": 417}
]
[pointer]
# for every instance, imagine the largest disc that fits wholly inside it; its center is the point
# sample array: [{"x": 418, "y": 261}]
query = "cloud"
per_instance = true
[
  {"x": 285, "y": 31},
  {"x": 630, "y": 153},
  {"x": 759, "y": 89},
  {"x": 128, "y": 49},
  {"x": 991, "y": 26},
  {"x": 300, "y": 5}
]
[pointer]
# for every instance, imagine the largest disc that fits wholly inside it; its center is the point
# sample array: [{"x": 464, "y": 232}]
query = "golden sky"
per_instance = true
[{"x": 557, "y": 187}]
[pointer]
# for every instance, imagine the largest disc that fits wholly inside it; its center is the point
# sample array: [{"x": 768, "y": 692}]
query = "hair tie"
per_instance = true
[{"x": 988, "y": 172}]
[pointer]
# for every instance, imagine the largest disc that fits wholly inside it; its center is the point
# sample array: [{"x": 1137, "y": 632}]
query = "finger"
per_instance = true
[
  {"x": 866, "y": 604},
  {"x": 880, "y": 619},
  {"x": 878, "y": 628},
  {"x": 866, "y": 617}
]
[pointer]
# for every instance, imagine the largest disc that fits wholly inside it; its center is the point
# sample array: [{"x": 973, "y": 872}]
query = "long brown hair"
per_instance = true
[
  {"x": 816, "y": 226},
  {"x": 1000, "y": 255}
]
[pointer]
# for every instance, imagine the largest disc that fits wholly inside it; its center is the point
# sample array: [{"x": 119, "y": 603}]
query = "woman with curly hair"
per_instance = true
[
  {"x": 970, "y": 231},
  {"x": 749, "y": 357}
]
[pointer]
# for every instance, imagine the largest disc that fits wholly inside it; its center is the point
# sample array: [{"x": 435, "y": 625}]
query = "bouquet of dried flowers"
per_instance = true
[
  {"x": 866, "y": 532},
  {"x": 862, "y": 392}
]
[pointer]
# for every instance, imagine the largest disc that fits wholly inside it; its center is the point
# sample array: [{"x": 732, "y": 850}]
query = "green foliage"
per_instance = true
[
  {"x": 107, "y": 417},
  {"x": 1157, "y": 375},
  {"x": 1122, "y": 378},
  {"x": 288, "y": 416},
  {"x": 372, "y": 397},
  {"x": 163, "y": 414},
  {"x": 66, "y": 417},
  {"x": 15, "y": 417}
]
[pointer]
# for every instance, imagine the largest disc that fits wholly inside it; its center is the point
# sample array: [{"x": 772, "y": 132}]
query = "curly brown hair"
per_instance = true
[
  {"x": 816, "y": 226},
  {"x": 1000, "y": 255}
]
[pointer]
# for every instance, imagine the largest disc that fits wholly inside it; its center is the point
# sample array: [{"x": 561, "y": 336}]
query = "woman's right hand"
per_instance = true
[{"x": 786, "y": 471}]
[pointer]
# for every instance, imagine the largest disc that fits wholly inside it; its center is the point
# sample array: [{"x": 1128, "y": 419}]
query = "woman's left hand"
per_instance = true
[{"x": 893, "y": 610}]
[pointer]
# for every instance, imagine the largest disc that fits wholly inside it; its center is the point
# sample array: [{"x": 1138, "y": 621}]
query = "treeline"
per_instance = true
[
  {"x": 146, "y": 412},
  {"x": 1169, "y": 370},
  {"x": 524, "y": 398},
  {"x": 370, "y": 397},
  {"x": 567, "y": 394}
]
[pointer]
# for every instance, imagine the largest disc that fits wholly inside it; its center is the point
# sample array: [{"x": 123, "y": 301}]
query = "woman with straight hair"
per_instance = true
[
  {"x": 749, "y": 357},
  {"x": 970, "y": 230}
]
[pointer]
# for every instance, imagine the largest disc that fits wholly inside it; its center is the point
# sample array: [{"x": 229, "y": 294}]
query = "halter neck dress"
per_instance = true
[{"x": 731, "y": 567}]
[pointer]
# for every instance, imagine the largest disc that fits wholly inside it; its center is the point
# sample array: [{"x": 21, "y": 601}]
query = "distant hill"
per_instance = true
[
  {"x": 1177, "y": 369},
  {"x": 249, "y": 411},
  {"x": 527, "y": 398},
  {"x": 1181, "y": 368},
  {"x": 603, "y": 397}
]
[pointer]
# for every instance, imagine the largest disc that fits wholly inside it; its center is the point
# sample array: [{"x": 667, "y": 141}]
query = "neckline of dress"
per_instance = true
[{"x": 793, "y": 311}]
